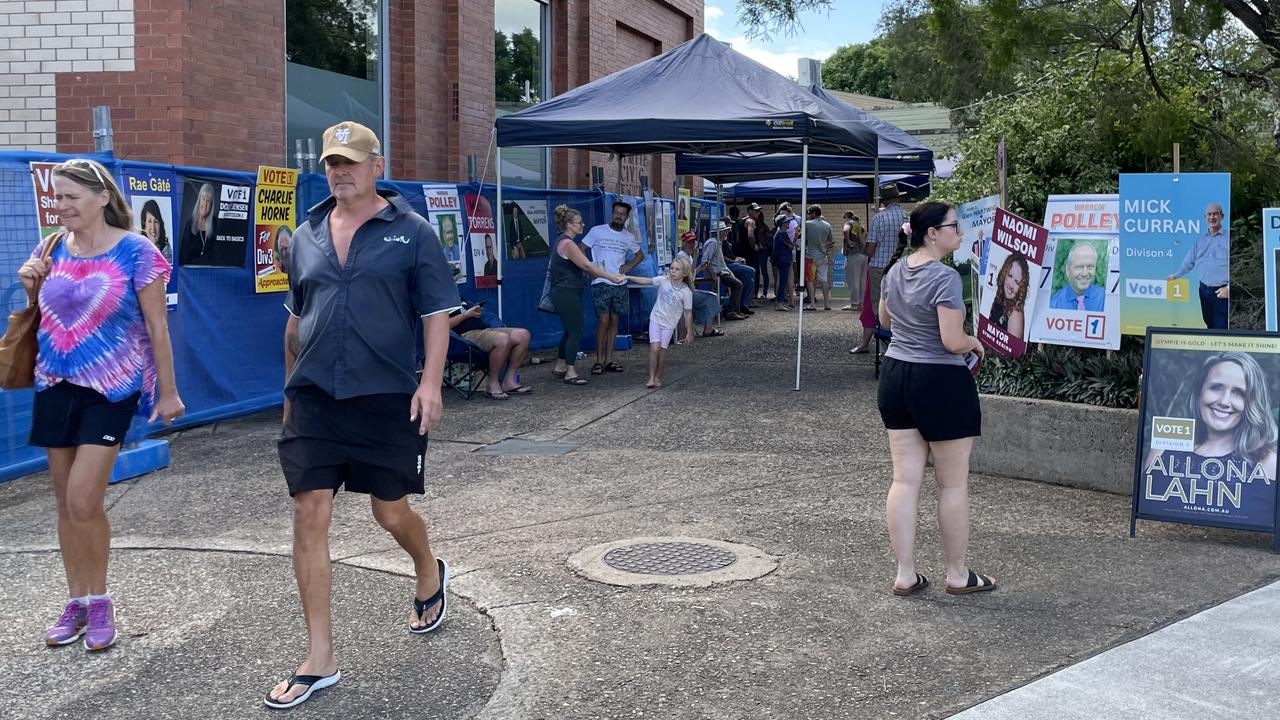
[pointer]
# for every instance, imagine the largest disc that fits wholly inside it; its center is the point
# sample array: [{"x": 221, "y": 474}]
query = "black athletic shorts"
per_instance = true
[
  {"x": 941, "y": 401},
  {"x": 67, "y": 415},
  {"x": 366, "y": 444}
]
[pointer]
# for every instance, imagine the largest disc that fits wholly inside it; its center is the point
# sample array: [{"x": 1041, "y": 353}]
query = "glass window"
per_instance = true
[
  {"x": 520, "y": 74},
  {"x": 333, "y": 68}
]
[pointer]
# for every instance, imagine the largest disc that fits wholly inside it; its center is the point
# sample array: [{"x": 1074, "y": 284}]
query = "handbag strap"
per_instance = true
[{"x": 33, "y": 294}]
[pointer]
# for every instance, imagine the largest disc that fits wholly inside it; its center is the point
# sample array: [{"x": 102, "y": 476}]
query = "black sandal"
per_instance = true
[
  {"x": 613, "y": 367},
  {"x": 311, "y": 682},
  {"x": 439, "y": 596},
  {"x": 575, "y": 380},
  {"x": 922, "y": 582},
  {"x": 597, "y": 369},
  {"x": 977, "y": 583},
  {"x": 559, "y": 374}
]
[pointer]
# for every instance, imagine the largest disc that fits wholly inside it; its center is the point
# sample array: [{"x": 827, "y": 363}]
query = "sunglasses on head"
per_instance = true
[{"x": 91, "y": 166}]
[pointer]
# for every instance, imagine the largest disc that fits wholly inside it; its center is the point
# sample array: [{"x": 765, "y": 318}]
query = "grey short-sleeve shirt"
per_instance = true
[
  {"x": 913, "y": 296},
  {"x": 359, "y": 324}
]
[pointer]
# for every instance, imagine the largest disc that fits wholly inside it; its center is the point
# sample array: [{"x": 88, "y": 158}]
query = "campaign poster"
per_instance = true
[
  {"x": 275, "y": 217},
  {"x": 1175, "y": 248},
  {"x": 1008, "y": 298},
  {"x": 976, "y": 220},
  {"x": 1078, "y": 299},
  {"x": 1207, "y": 441},
  {"x": 150, "y": 194},
  {"x": 1270, "y": 250},
  {"x": 215, "y": 223},
  {"x": 46, "y": 207},
  {"x": 684, "y": 210},
  {"x": 482, "y": 236},
  {"x": 526, "y": 233},
  {"x": 662, "y": 237},
  {"x": 444, "y": 212}
]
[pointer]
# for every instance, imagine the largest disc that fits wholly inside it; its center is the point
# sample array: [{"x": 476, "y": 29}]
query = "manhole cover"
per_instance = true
[{"x": 669, "y": 558}]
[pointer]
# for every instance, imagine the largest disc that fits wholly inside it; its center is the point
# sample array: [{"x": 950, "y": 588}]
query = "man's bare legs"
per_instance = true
[
  {"x": 407, "y": 527},
  {"x": 312, "y": 511},
  {"x": 519, "y": 339}
]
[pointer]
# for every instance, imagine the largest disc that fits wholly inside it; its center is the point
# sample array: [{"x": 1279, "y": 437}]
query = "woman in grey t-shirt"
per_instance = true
[{"x": 928, "y": 399}]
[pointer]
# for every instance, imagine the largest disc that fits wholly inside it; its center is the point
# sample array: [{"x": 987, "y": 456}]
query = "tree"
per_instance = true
[
  {"x": 517, "y": 61},
  {"x": 335, "y": 35},
  {"x": 860, "y": 68},
  {"x": 762, "y": 18}
]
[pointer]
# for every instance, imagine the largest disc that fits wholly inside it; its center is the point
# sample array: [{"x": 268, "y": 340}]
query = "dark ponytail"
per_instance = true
[{"x": 928, "y": 215}]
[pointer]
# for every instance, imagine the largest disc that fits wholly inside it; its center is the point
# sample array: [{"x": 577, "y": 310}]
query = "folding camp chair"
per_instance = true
[
  {"x": 880, "y": 334},
  {"x": 466, "y": 363},
  {"x": 466, "y": 366}
]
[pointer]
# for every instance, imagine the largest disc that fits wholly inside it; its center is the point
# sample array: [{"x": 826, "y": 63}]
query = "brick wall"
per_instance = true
[
  {"x": 41, "y": 39},
  {"x": 204, "y": 85}
]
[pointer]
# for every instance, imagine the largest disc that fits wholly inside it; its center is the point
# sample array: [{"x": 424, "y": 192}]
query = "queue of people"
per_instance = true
[{"x": 358, "y": 409}]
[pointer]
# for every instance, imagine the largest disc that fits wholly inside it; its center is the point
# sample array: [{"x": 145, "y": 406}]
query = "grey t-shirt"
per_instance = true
[
  {"x": 817, "y": 233},
  {"x": 913, "y": 296}
]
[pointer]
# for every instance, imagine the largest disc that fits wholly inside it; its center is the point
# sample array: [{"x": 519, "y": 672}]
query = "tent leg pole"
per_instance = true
[
  {"x": 617, "y": 184},
  {"x": 804, "y": 203},
  {"x": 500, "y": 248}
]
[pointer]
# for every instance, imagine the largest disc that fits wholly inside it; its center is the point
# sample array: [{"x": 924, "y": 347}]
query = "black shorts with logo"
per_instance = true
[
  {"x": 67, "y": 415},
  {"x": 366, "y": 444}
]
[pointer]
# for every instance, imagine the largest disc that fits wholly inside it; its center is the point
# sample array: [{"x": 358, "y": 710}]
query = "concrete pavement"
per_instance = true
[{"x": 726, "y": 451}]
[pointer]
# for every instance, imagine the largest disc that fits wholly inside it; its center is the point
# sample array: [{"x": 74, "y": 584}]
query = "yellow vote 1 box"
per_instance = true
[{"x": 1178, "y": 290}]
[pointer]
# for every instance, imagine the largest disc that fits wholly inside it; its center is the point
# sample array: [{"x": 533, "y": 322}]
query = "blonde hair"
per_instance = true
[
  {"x": 565, "y": 215},
  {"x": 94, "y": 176},
  {"x": 206, "y": 190},
  {"x": 687, "y": 268}
]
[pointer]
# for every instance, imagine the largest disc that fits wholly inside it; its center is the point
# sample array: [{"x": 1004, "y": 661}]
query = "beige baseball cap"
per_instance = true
[{"x": 350, "y": 140}]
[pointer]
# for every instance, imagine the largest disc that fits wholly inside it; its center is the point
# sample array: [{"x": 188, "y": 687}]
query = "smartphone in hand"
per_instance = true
[{"x": 973, "y": 361}]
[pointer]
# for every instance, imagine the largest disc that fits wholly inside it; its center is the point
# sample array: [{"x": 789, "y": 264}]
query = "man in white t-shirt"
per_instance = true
[{"x": 610, "y": 247}]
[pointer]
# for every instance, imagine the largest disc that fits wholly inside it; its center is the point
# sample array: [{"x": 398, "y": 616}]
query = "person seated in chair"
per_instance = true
[
  {"x": 706, "y": 304},
  {"x": 505, "y": 346}
]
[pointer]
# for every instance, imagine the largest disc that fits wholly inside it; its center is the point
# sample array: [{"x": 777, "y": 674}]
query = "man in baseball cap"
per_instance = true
[
  {"x": 356, "y": 414},
  {"x": 352, "y": 141}
]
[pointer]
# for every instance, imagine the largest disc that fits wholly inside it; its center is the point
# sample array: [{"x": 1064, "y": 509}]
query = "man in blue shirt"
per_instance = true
[
  {"x": 1211, "y": 253},
  {"x": 1081, "y": 293}
]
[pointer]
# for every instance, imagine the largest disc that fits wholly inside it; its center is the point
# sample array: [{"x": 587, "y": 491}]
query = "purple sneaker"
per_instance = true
[
  {"x": 100, "y": 633},
  {"x": 70, "y": 625}
]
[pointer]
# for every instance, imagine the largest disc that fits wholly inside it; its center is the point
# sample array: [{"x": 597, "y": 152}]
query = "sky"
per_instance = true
[{"x": 848, "y": 22}]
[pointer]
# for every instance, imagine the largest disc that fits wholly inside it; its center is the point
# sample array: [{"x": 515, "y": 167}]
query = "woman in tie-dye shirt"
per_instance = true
[{"x": 104, "y": 355}]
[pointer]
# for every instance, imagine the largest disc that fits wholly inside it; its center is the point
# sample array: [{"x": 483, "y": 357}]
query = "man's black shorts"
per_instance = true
[
  {"x": 366, "y": 444},
  {"x": 67, "y": 415},
  {"x": 940, "y": 401}
]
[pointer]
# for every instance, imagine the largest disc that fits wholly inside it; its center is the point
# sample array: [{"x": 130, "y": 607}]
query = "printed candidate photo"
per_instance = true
[
  {"x": 1209, "y": 429},
  {"x": 1080, "y": 275},
  {"x": 1005, "y": 294},
  {"x": 215, "y": 224}
]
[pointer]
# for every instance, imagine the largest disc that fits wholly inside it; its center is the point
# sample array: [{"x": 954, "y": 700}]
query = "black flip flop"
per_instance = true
[
  {"x": 597, "y": 369},
  {"x": 576, "y": 380},
  {"x": 976, "y": 583},
  {"x": 559, "y": 374},
  {"x": 497, "y": 396},
  {"x": 439, "y": 596},
  {"x": 922, "y": 582},
  {"x": 312, "y": 683},
  {"x": 520, "y": 390},
  {"x": 714, "y": 333},
  {"x": 613, "y": 367}
]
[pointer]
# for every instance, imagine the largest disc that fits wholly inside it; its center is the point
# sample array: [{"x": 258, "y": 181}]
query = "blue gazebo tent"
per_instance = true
[{"x": 700, "y": 97}]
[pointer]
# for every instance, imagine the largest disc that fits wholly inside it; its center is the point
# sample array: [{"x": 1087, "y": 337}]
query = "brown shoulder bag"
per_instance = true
[{"x": 18, "y": 346}]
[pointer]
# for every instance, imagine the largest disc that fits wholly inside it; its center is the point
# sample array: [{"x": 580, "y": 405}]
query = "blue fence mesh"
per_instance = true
[{"x": 226, "y": 337}]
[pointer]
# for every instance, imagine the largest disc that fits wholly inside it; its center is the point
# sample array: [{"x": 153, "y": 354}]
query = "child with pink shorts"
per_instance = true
[{"x": 675, "y": 299}]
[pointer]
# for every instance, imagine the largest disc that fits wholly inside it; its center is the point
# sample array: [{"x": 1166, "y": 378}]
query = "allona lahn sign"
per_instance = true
[{"x": 1209, "y": 424}]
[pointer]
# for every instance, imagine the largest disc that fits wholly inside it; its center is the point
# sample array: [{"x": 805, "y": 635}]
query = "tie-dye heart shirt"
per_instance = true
[{"x": 92, "y": 332}]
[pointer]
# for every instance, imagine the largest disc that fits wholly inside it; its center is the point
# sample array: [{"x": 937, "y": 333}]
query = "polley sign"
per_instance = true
[{"x": 1207, "y": 441}]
